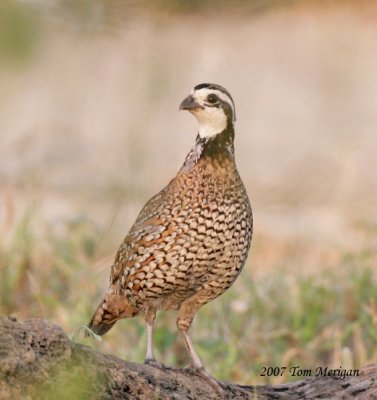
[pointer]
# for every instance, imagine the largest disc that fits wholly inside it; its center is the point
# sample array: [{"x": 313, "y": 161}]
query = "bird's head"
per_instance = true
[{"x": 213, "y": 107}]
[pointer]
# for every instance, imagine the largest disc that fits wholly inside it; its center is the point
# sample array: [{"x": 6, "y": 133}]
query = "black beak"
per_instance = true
[{"x": 189, "y": 103}]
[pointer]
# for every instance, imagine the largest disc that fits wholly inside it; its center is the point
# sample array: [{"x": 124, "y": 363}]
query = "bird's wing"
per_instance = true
[{"x": 148, "y": 233}]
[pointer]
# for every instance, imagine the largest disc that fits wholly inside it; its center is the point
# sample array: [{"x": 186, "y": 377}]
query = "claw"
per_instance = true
[
  {"x": 201, "y": 372},
  {"x": 153, "y": 363}
]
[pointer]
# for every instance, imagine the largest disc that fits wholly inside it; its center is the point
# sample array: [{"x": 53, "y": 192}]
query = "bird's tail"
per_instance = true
[{"x": 111, "y": 309}]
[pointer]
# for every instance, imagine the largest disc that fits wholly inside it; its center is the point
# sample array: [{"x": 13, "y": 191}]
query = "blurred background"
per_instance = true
[{"x": 90, "y": 130}]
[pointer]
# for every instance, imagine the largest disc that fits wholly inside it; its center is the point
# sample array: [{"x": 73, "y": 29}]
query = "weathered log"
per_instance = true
[{"x": 38, "y": 361}]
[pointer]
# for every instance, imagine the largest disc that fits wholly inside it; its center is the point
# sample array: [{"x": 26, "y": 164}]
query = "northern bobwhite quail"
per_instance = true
[{"x": 191, "y": 240}]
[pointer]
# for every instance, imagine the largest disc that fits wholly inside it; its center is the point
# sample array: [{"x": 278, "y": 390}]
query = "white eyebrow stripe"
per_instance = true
[
  {"x": 204, "y": 92},
  {"x": 224, "y": 97}
]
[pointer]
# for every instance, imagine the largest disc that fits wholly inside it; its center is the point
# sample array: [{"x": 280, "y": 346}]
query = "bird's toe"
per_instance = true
[{"x": 153, "y": 363}]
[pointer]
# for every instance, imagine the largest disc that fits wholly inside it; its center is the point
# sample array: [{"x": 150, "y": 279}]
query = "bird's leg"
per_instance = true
[
  {"x": 195, "y": 359},
  {"x": 184, "y": 321},
  {"x": 149, "y": 355},
  {"x": 197, "y": 366},
  {"x": 150, "y": 316}
]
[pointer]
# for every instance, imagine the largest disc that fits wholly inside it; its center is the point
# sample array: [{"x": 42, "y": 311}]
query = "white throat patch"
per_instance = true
[{"x": 212, "y": 120}]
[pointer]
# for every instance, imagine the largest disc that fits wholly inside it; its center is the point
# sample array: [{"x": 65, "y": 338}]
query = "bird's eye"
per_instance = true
[{"x": 212, "y": 98}]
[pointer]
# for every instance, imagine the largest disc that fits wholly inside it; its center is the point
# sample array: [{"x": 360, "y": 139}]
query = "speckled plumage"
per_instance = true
[{"x": 189, "y": 242}]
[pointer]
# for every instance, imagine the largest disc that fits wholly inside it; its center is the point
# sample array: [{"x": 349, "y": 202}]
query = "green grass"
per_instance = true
[{"x": 283, "y": 317}]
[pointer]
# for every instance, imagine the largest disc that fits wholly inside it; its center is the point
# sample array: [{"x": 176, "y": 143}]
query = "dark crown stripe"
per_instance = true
[{"x": 213, "y": 86}]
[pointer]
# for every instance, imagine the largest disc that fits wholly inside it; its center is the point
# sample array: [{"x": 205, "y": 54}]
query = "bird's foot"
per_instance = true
[
  {"x": 201, "y": 372},
  {"x": 153, "y": 363}
]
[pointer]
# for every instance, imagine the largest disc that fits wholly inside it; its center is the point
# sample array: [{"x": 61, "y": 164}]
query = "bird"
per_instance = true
[{"x": 191, "y": 240}]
